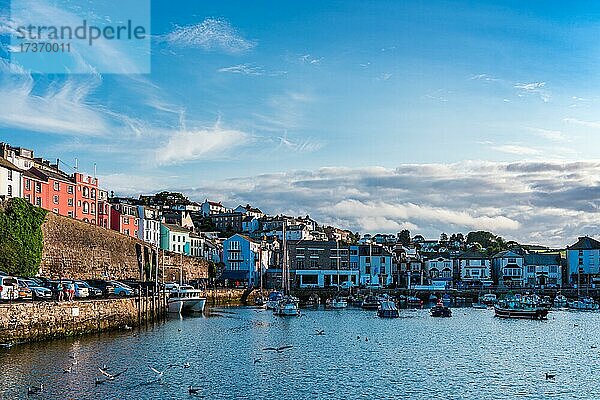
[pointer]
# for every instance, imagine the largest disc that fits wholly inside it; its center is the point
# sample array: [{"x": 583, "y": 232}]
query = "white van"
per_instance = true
[{"x": 9, "y": 288}]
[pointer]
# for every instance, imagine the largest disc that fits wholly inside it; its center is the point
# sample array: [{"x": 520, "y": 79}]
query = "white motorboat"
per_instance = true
[
  {"x": 274, "y": 299},
  {"x": 560, "y": 301},
  {"x": 186, "y": 299},
  {"x": 337, "y": 303},
  {"x": 587, "y": 304},
  {"x": 288, "y": 307}
]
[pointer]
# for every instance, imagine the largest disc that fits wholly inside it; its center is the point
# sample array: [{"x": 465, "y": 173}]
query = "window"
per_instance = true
[
  {"x": 93, "y": 193},
  {"x": 27, "y": 184},
  {"x": 70, "y": 202},
  {"x": 382, "y": 261},
  {"x": 78, "y": 203},
  {"x": 56, "y": 186},
  {"x": 93, "y": 208},
  {"x": 126, "y": 231},
  {"x": 70, "y": 214},
  {"x": 70, "y": 189},
  {"x": 38, "y": 201},
  {"x": 10, "y": 173},
  {"x": 86, "y": 207},
  {"x": 86, "y": 192},
  {"x": 28, "y": 198},
  {"x": 368, "y": 260},
  {"x": 173, "y": 247},
  {"x": 125, "y": 220},
  {"x": 531, "y": 269},
  {"x": 55, "y": 199},
  {"x": 300, "y": 264},
  {"x": 9, "y": 190},
  {"x": 234, "y": 245},
  {"x": 38, "y": 187},
  {"x": 512, "y": 260},
  {"x": 55, "y": 210},
  {"x": 553, "y": 269}
]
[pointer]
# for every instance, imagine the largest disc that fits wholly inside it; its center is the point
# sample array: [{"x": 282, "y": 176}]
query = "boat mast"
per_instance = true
[
  {"x": 284, "y": 262},
  {"x": 337, "y": 247}
]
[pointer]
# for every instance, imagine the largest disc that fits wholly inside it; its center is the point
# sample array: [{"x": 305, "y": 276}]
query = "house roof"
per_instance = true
[
  {"x": 472, "y": 255},
  {"x": 508, "y": 253},
  {"x": 176, "y": 228},
  {"x": 4, "y": 163},
  {"x": 585, "y": 243},
  {"x": 46, "y": 174},
  {"x": 542, "y": 259}
]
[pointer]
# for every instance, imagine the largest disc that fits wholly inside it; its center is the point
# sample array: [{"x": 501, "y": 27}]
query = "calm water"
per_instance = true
[{"x": 469, "y": 356}]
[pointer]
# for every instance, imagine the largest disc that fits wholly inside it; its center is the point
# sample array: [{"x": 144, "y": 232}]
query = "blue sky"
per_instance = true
[{"x": 276, "y": 91}]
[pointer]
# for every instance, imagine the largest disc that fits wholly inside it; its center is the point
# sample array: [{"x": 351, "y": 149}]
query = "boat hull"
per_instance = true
[
  {"x": 175, "y": 307},
  {"x": 538, "y": 313},
  {"x": 441, "y": 312}
]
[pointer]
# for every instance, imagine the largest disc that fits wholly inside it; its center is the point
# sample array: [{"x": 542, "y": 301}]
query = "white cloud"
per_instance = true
[
  {"x": 517, "y": 150},
  {"x": 536, "y": 88},
  {"x": 305, "y": 145},
  {"x": 310, "y": 60},
  {"x": 484, "y": 77},
  {"x": 587, "y": 124},
  {"x": 201, "y": 144},
  {"x": 244, "y": 69},
  {"x": 552, "y": 135},
  {"x": 211, "y": 34}
]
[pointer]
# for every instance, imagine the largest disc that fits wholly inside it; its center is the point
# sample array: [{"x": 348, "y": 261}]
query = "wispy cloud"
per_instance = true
[
  {"x": 537, "y": 88},
  {"x": 517, "y": 150},
  {"x": 200, "y": 144},
  {"x": 212, "y": 34},
  {"x": 548, "y": 134},
  {"x": 384, "y": 76},
  {"x": 244, "y": 69},
  {"x": 310, "y": 60},
  {"x": 484, "y": 77},
  {"x": 305, "y": 145},
  {"x": 587, "y": 124}
]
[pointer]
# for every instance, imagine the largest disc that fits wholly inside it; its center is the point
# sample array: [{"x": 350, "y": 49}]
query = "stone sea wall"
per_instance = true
[
  {"x": 32, "y": 321},
  {"x": 75, "y": 249}
]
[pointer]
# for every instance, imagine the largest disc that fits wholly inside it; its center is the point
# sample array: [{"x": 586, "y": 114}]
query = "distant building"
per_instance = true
[
  {"x": 209, "y": 208},
  {"x": 149, "y": 225},
  {"x": 104, "y": 211},
  {"x": 315, "y": 264},
  {"x": 508, "y": 267},
  {"x": 10, "y": 179},
  {"x": 543, "y": 269},
  {"x": 249, "y": 211},
  {"x": 228, "y": 222},
  {"x": 124, "y": 218},
  {"x": 244, "y": 260},
  {"x": 583, "y": 261},
  {"x": 374, "y": 264},
  {"x": 175, "y": 238},
  {"x": 52, "y": 190},
  {"x": 474, "y": 267}
]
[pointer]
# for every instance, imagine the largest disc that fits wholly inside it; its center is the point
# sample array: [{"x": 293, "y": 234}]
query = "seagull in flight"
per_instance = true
[
  {"x": 320, "y": 332},
  {"x": 277, "y": 349},
  {"x": 550, "y": 376},
  {"x": 35, "y": 389},
  {"x": 111, "y": 377},
  {"x": 160, "y": 373}
]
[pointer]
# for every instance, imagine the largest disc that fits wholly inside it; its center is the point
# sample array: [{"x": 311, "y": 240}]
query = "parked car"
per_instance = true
[
  {"x": 39, "y": 292},
  {"x": 140, "y": 286},
  {"x": 25, "y": 293},
  {"x": 9, "y": 288},
  {"x": 81, "y": 292},
  {"x": 107, "y": 287},
  {"x": 53, "y": 287},
  {"x": 92, "y": 291},
  {"x": 122, "y": 289}
]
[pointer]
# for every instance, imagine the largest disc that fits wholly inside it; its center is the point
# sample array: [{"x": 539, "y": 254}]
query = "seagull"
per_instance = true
[
  {"x": 127, "y": 327},
  {"x": 193, "y": 390},
  {"x": 35, "y": 389},
  {"x": 257, "y": 360},
  {"x": 593, "y": 346},
  {"x": 550, "y": 376},
  {"x": 366, "y": 339},
  {"x": 111, "y": 377},
  {"x": 99, "y": 381},
  {"x": 160, "y": 373},
  {"x": 277, "y": 349},
  {"x": 67, "y": 370},
  {"x": 320, "y": 332},
  {"x": 75, "y": 362}
]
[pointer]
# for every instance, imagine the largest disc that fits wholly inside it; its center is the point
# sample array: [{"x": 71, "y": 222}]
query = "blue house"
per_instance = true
[
  {"x": 374, "y": 264},
  {"x": 583, "y": 260},
  {"x": 241, "y": 257}
]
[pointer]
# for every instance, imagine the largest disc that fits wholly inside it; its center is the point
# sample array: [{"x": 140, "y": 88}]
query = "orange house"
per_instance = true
[
  {"x": 124, "y": 219},
  {"x": 50, "y": 190},
  {"x": 86, "y": 197}
]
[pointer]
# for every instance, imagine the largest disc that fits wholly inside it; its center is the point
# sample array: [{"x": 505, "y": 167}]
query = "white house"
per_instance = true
[
  {"x": 474, "y": 267},
  {"x": 10, "y": 179},
  {"x": 149, "y": 230},
  {"x": 439, "y": 266},
  {"x": 212, "y": 207},
  {"x": 542, "y": 269}
]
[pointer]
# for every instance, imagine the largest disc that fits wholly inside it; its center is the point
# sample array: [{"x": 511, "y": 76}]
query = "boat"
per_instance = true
[
  {"x": 546, "y": 301},
  {"x": 288, "y": 306},
  {"x": 446, "y": 300},
  {"x": 480, "y": 306},
  {"x": 489, "y": 299},
  {"x": 413, "y": 301},
  {"x": 585, "y": 304},
  {"x": 370, "y": 302},
  {"x": 186, "y": 299},
  {"x": 560, "y": 301},
  {"x": 514, "y": 308},
  {"x": 274, "y": 299},
  {"x": 314, "y": 301},
  {"x": 439, "y": 310},
  {"x": 387, "y": 309},
  {"x": 337, "y": 303},
  {"x": 433, "y": 298}
]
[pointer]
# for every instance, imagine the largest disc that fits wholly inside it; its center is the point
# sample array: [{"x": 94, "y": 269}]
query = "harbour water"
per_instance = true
[{"x": 469, "y": 356}]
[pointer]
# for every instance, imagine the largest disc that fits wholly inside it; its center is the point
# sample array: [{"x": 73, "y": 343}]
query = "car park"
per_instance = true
[
  {"x": 25, "y": 293},
  {"x": 122, "y": 289},
  {"x": 92, "y": 291},
  {"x": 39, "y": 292},
  {"x": 107, "y": 287}
]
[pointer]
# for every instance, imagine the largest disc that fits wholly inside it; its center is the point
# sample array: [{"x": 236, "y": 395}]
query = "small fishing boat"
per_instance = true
[
  {"x": 433, "y": 298},
  {"x": 489, "y": 299},
  {"x": 560, "y": 301},
  {"x": 514, "y": 308},
  {"x": 370, "y": 302},
  {"x": 447, "y": 300},
  {"x": 337, "y": 303},
  {"x": 287, "y": 307},
  {"x": 585, "y": 304},
  {"x": 413, "y": 301},
  {"x": 314, "y": 301},
  {"x": 439, "y": 310},
  {"x": 185, "y": 299},
  {"x": 387, "y": 309},
  {"x": 480, "y": 306},
  {"x": 274, "y": 299}
]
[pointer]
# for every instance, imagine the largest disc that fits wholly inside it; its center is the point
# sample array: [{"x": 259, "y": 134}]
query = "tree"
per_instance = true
[
  {"x": 443, "y": 238},
  {"x": 404, "y": 237},
  {"x": 492, "y": 243}
]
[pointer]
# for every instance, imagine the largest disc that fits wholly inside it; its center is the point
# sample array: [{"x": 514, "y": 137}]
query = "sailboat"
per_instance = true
[
  {"x": 338, "y": 302},
  {"x": 288, "y": 306}
]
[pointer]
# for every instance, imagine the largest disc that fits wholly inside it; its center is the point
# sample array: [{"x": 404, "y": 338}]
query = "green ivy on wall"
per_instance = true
[{"x": 21, "y": 238}]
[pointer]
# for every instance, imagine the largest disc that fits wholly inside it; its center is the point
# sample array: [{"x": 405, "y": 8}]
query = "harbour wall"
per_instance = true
[
  {"x": 34, "y": 321},
  {"x": 75, "y": 249}
]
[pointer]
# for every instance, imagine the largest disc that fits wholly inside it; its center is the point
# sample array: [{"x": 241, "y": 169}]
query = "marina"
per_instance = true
[{"x": 353, "y": 347}]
